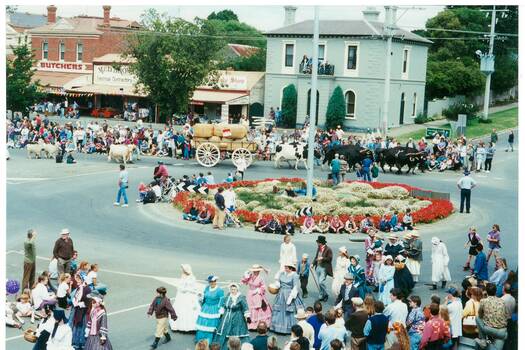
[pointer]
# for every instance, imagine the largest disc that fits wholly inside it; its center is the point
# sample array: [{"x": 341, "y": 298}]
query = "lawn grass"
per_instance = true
[{"x": 500, "y": 121}]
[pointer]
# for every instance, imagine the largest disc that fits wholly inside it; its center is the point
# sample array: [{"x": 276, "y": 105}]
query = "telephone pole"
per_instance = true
[
  {"x": 388, "y": 30},
  {"x": 312, "y": 127}
]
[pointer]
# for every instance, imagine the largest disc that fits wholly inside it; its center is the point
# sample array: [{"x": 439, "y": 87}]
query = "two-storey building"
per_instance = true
[{"x": 352, "y": 55}]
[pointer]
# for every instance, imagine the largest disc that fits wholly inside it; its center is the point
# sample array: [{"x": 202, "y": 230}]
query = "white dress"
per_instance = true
[
  {"x": 341, "y": 268},
  {"x": 62, "y": 339},
  {"x": 440, "y": 259},
  {"x": 288, "y": 255},
  {"x": 186, "y": 304}
]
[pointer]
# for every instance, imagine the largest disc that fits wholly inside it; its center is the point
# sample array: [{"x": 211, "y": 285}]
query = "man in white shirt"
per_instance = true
[
  {"x": 455, "y": 312},
  {"x": 508, "y": 299},
  {"x": 397, "y": 311},
  {"x": 229, "y": 198},
  {"x": 465, "y": 185}
]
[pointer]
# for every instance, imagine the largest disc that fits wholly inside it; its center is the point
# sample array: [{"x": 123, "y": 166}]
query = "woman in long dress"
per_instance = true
[
  {"x": 260, "y": 309},
  {"x": 386, "y": 279},
  {"x": 359, "y": 276},
  {"x": 186, "y": 302},
  {"x": 209, "y": 315},
  {"x": 440, "y": 260},
  {"x": 97, "y": 325},
  {"x": 60, "y": 337},
  {"x": 372, "y": 242},
  {"x": 234, "y": 319},
  {"x": 287, "y": 301},
  {"x": 288, "y": 253},
  {"x": 341, "y": 268},
  {"x": 81, "y": 307}
]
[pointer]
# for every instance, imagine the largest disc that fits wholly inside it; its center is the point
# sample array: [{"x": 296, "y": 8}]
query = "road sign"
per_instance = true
[{"x": 430, "y": 132}]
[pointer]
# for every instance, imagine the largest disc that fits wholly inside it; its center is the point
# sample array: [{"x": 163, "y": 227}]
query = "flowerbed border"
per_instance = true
[{"x": 438, "y": 209}]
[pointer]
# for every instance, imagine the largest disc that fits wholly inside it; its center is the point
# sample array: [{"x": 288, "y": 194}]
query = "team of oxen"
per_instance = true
[
  {"x": 116, "y": 152},
  {"x": 397, "y": 157}
]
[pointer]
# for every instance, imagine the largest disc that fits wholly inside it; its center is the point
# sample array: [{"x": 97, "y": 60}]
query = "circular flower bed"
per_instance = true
[{"x": 352, "y": 198}]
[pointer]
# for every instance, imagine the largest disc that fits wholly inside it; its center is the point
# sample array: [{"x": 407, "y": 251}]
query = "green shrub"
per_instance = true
[
  {"x": 452, "y": 112},
  {"x": 289, "y": 106},
  {"x": 421, "y": 118},
  {"x": 484, "y": 121},
  {"x": 336, "y": 111}
]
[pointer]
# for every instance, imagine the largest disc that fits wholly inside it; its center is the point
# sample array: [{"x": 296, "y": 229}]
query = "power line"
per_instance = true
[{"x": 460, "y": 31}]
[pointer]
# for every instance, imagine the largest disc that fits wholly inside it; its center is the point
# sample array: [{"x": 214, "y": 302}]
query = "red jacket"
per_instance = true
[
  {"x": 161, "y": 171},
  {"x": 435, "y": 329}
]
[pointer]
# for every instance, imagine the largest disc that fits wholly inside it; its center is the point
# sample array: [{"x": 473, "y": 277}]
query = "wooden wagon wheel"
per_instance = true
[
  {"x": 208, "y": 154},
  {"x": 242, "y": 153}
]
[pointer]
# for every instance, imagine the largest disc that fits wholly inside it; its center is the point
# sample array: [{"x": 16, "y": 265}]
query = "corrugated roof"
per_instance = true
[
  {"x": 26, "y": 20},
  {"x": 243, "y": 50},
  {"x": 215, "y": 96},
  {"x": 83, "y": 25},
  {"x": 58, "y": 79},
  {"x": 344, "y": 28}
]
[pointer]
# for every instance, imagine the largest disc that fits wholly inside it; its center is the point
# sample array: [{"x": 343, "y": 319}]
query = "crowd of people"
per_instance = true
[{"x": 66, "y": 300}]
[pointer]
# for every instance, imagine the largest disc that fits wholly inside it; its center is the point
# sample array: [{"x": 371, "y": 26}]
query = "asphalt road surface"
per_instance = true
[{"x": 141, "y": 247}]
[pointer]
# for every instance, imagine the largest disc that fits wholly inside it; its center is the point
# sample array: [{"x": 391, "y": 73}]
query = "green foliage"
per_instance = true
[
  {"x": 453, "y": 77},
  {"x": 452, "y": 112},
  {"x": 21, "y": 92},
  {"x": 484, "y": 121},
  {"x": 336, "y": 110},
  {"x": 421, "y": 118},
  {"x": 265, "y": 199},
  {"x": 173, "y": 57},
  {"x": 289, "y": 106},
  {"x": 235, "y": 32},
  {"x": 253, "y": 63},
  {"x": 224, "y": 15}
]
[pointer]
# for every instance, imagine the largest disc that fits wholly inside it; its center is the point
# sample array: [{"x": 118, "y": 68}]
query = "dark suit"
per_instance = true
[
  {"x": 348, "y": 308},
  {"x": 323, "y": 269}
]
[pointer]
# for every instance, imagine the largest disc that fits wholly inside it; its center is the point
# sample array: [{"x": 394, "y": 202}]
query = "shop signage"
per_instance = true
[
  {"x": 69, "y": 67},
  {"x": 233, "y": 82},
  {"x": 225, "y": 113},
  {"x": 108, "y": 75}
]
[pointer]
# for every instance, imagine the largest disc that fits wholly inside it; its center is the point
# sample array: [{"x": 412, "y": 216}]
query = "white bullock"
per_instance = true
[
  {"x": 35, "y": 148},
  {"x": 50, "y": 150},
  {"x": 296, "y": 151},
  {"x": 121, "y": 152}
]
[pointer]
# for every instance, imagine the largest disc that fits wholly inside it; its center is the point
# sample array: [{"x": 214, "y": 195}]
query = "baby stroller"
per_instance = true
[
  {"x": 231, "y": 220},
  {"x": 168, "y": 189}
]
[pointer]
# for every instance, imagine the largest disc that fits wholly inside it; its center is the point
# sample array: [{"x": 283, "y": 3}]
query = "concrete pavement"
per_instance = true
[{"x": 138, "y": 250}]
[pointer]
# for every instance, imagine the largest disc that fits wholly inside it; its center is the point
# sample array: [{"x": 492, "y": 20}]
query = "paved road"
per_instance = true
[{"x": 138, "y": 250}]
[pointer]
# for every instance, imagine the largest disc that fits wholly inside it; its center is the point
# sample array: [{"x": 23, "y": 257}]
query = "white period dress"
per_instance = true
[
  {"x": 186, "y": 304},
  {"x": 341, "y": 268},
  {"x": 288, "y": 255},
  {"x": 440, "y": 259}
]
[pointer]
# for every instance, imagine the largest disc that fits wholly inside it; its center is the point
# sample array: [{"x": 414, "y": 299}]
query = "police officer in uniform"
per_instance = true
[{"x": 465, "y": 185}]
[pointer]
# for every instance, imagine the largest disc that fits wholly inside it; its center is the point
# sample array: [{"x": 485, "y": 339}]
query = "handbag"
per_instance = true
[
  {"x": 469, "y": 323},
  {"x": 30, "y": 335}
]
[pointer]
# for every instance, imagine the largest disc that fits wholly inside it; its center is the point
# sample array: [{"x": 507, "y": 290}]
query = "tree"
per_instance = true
[
  {"x": 336, "y": 111},
  {"x": 224, "y": 15},
  {"x": 21, "y": 92},
  {"x": 289, "y": 106},
  {"x": 256, "y": 62},
  {"x": 172, "y": 57}
]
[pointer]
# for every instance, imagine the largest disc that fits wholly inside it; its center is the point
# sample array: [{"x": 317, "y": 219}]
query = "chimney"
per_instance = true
[
  {"x": 51, "y": 14},
  {"x": 106, "y": 8},
  {"x": 371, "y": 14},
  {"x": 289, "y": 15}
]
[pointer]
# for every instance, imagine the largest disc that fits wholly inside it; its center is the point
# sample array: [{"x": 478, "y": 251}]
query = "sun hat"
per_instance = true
[
  {"x": 95, "y": 295},
  {"x": 435, "y": 240},
  {"x": 291, "y": 265},
  {"x": 233, "y": 284},
  {"x": 64, "y": 231},
  {"x": 212, "y": 278},
  {"x": 301, "y": 315},
  {"x": 342, "y": 249},
  {"x": 388, "y": 257},
  {"x": 357, "y": 301},
  {"x": 256, "y": 267},
  {"x": 186, "y": 268},
  {"x": 414, "y": 234},
  {"x": 400, "y": 258},
  {"x": 349, "y": 276},
  {"x": 407, "y": 235}
]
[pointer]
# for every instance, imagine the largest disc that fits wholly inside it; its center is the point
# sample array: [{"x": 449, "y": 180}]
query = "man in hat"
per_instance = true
[
  {"x": 346, "y": 293},
  {"x": 414, "y": 253},
  {"x": 465, "y": 185},
  {"x": 308, "y": 330},
  {"x": 394, "y": 246},
  {"x": 323, "y": 266},
  {"x": 356, "y": 325},
  {"x": 162, "y": 307},
  {"x": 303, "y": 270},
  {"x": 440, "y": 260},
  {"x": 63, "y": 252}
]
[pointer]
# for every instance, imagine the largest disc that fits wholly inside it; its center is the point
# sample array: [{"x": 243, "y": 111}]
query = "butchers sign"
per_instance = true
[
  {"x": 69, "y": 67},
  {"x": 109, "y": 75}
]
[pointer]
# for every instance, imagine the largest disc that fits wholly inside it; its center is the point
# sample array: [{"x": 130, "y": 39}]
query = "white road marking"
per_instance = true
[{"x": 27, "y": 178}]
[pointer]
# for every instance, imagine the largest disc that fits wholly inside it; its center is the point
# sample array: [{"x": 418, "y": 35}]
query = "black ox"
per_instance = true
[
  {"x": 353, "y": 154},
  {"x": 401, "y": 156}
]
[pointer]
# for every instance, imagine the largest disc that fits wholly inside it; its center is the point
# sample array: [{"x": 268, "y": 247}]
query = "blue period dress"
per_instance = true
[
  {"x": 359, "y": 278},
  {"x": 283, "y": 314},
  {"x": 234, "y": 311},
  {"x": 209, "y": 315}
]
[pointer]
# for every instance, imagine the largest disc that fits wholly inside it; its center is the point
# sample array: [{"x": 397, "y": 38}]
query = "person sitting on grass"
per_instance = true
[
  {"x": 384, "y": 224},
  {"x": 308, "y": 225},
  {"x": 204, "y": 216},
  {"x": 191, "y": 214},
  {"x": 394, "y": 222},
  {"x": 303, "y": 191},
  {"x": 290, "y": 191},
  {"x": 408, "y": 221},
  {"x": 261, "y": 223},
  {"x": 288, "y": 227},
  {"x": 336, "y": 225},
  {"x": 322, "y": 225},
  {"x": 273, "y": 226},
  {"x": 350, "y": 226},
  {"x": 366, "y": 224}
]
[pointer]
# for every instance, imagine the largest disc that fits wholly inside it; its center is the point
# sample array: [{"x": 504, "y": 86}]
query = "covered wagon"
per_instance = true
[{"x": 210, "y": 140}]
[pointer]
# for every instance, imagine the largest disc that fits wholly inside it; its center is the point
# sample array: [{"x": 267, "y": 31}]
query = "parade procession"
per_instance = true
[{"x": 184, "y": 177}]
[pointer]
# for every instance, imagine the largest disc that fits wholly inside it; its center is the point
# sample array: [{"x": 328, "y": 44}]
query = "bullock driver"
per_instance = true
[{"x": 335, "y": 165}]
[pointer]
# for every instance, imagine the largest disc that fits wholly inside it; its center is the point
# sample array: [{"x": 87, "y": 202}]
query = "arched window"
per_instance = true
[
  {"x": 350, "y": 104},
  {"x": 414, "y": 105},
  {"x": 316, "y": 106}
]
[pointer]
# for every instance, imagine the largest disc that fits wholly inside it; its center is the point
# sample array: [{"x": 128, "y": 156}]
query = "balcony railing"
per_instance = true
[{"x": 322, "y": 68}]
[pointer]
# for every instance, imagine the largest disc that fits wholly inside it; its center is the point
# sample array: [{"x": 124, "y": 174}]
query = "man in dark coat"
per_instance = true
[
  {"x": 356, "y": 324},
  {"x": 345, "y": 296},
  {"x": 402, "y": 277},
  {"x": 323, "y": 266}
]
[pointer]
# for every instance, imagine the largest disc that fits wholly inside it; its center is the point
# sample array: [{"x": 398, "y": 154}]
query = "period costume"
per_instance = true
[
  {"x": 97, "y": 329},
  {"x": 209, "y": 316},
  {"x": 260, "y": 309},
  {"x": 323, "y": 267},
  {"x": 78, "y": 316},
  {"x": 186, "y": 302},
  {"x": 440, "y": 260},
  {"x": 234, "y": 310},
  {"x": 287, "y": 302},
  {"x": 287, "y": 253},
  {"x": 414, "y": 255},
  {"x": 402, "y": 276},
  {"x": 371, "y": 244},
  {"x": 60, "y": 337},
  {"x": 394, "y": 247},
  {"x": 386, "y": 281},
  {"x": 341, "y": 268},
  {"x": 359, "y": 277},
  {"x": 345, "y": 295}
]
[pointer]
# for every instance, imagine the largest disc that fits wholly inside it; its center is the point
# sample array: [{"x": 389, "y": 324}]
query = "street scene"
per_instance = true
[{"x": 174, "y": 183}]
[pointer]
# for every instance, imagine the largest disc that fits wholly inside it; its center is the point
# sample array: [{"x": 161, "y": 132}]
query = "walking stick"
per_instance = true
[{"x": 315, "y": 279}]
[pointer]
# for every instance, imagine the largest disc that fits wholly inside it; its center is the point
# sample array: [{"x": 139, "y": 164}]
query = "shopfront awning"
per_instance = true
[
  {"x": 98, "y": 89},
  {"x": 215, "y": 96},
  {"x": 58, "y": 82}
]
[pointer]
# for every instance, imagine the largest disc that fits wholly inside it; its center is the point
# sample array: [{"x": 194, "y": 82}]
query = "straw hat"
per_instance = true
[
  {"x": 186, "y": 268},
  {"x": 64, "y": 231},
  {"x": 301, "y": 315},
  {"x": 343, "y": 249},
  {"x": 414, "y": 234},
  {"x": 392, "y": 236},
  {"x": 256, "y": 267},
  {"x": 435, "y": 240}
]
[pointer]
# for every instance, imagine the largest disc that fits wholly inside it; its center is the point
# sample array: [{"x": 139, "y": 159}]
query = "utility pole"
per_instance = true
[
  {"x": 388, "y": 30},
  {"x": 312, "y": 128}
]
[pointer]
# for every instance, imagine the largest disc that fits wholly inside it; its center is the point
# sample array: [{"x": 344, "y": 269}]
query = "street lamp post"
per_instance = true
[{"x": 313, "y": 110}]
